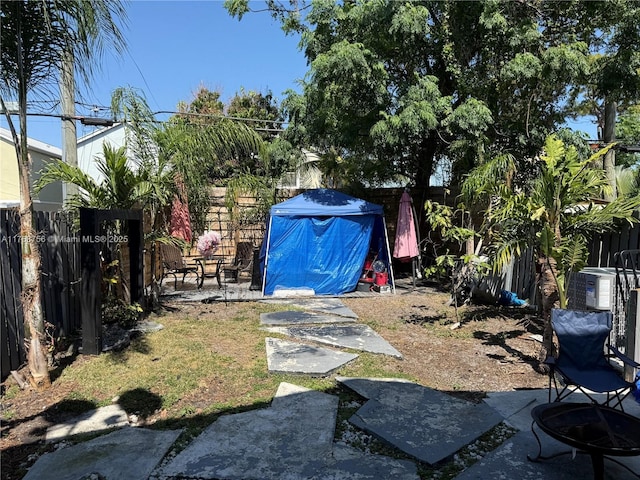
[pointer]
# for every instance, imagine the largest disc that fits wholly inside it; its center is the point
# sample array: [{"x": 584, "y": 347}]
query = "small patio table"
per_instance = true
[
  {"x": 590, "y": 428},
  {"x": 202, "y": 262}
]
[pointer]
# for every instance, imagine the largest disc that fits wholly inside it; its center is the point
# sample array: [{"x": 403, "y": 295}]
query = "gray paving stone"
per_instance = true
[
  {"x": 357, "y": 337},
  {"x": 379, "y": 388},
  {"x": 422, "y": 422},
  {"x": 130, "y": 453},
  {"x": 350, "y": 464},
  {"x": 297, "y": 317},
  {"x": 332, "y": 306},
  {"x": 147, "y": 326},
  {"x": 103, "y": 418},
  {"x": 515, "y": 406},
  {"x": 292, "y": 357},
  {"x": 509, "y": 461},
  {"x": 291, "y": 439}
]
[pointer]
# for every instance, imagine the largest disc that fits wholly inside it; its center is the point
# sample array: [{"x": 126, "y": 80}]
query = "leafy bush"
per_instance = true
[{"x": 117, "y": 311}]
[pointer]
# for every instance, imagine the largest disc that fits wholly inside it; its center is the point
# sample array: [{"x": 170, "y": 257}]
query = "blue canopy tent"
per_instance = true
[{"x": 320, "y": 239}]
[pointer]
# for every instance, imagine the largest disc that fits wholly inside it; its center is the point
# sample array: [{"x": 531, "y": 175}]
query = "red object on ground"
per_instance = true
[{"x": 382, "y": 278}]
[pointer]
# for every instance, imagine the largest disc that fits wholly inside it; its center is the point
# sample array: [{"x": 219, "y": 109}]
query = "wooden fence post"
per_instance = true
[{"x": 91, "y": 295}]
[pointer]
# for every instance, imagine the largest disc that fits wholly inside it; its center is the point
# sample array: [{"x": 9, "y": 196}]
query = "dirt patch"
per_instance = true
[{"x": 482, "y": 349}]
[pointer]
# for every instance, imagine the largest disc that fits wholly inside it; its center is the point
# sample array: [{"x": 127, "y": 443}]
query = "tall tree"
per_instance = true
[
  {"x": 36, "y": 35},
  {"x": 260, "y": 110},
  {"x": 395, "y": 87},
  {"x": 628, "y": 135},
  {"x": 612, "y": 84},
  {"x": 277, "y": 156}
]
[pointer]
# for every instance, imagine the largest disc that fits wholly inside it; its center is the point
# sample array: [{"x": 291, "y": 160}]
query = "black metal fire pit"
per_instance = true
[{"x": 591, "y": 428}]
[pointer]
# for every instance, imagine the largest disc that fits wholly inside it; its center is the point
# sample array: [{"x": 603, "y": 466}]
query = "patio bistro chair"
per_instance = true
[
  {"x": 582, "y": 364},
  {"x": 173, "y": 263},
  {"x": 243, "y": 262}
]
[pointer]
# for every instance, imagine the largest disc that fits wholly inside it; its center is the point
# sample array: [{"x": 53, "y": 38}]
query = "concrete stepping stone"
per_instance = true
[
  {"x": 291, "y": 439},
  {"x": 515, "y": 407},
  {"x": 332, "y": 306},
  {"x": 350, "y": 463},
  {"x": 422, "y": 422},
  {"x": 297, "y": 358},
  {"x": 130, "y": 453},
  {"x": 510, "y": 461},
  {"x": 378, "y": 388},
  {"x": 297, "y": 317},
  {"x": 103, "y": 418},
  {"x": 356, "y": 337}
]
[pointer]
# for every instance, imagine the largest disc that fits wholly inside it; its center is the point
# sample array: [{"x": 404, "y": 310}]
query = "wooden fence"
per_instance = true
[
  {"x": 521, "y": 278},
  {"x": 60, "y": 274},
  {"x": 60, "y": 249}
]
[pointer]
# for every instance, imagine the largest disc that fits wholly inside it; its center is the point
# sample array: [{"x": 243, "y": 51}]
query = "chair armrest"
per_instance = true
[{"x": 624, "y": 358}]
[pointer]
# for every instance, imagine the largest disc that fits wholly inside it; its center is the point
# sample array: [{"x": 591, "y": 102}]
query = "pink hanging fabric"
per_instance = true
[
  {"x": 406, "y": 244},
  {"x": 180, "y": 221}
]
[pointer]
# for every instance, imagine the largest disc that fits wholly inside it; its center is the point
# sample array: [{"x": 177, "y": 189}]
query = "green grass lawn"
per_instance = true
[{"x": 210, "y": 360}]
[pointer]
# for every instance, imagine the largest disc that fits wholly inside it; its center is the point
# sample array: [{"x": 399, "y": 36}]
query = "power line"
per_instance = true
[
  {"x": 108, "y": 122},
  {"x": 215, "y": 115}
]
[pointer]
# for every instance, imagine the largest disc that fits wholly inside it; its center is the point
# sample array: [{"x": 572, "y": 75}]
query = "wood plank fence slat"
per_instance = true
[
  {"x": 10, "y": 308},
  {"x": 59, "y": 268}
]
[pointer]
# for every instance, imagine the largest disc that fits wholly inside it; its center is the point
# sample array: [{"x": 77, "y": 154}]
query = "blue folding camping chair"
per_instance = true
[{"x": 582, "y": 363}]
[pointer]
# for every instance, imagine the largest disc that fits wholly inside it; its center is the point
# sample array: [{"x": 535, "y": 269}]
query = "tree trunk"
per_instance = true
[
  {"x": 549, "y": 298},
  {"x": 31, "y": 281},
  {"x": 425, "y": 156},
  {"x": 610, "y": 156}
]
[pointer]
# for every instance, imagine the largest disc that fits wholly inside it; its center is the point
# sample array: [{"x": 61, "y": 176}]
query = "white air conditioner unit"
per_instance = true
[{"x": 593, "y": 289}]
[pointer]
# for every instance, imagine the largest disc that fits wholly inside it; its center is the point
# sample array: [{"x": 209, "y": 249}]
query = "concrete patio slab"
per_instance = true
[
  {"x": 297, "y": 317},
  {"x": 297, "y": 358},
  {"x": 291, "y": 439},
  {"x": 230, "y": 292},
  {"x": 356, "y": 337},
  {"x": 516, "y": 406},
  {"x": 510, "y": 461},
  {"x": 331, "y": 306},
  {"x": 103, "y": 418},
  {"x": 424, "y": 423},
  {"x": 130, "y": 453}
]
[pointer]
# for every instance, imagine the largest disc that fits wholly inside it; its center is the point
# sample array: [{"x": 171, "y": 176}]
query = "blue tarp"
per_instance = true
[{"x": 320, "y": 240}]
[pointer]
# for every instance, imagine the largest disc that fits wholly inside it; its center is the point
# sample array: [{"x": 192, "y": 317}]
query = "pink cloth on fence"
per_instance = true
[{"x": 180, "y": 224}]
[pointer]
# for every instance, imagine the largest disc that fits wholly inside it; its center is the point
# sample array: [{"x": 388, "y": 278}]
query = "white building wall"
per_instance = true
[
  {"x": 90, "y": 147},
  {"x": 51, "y": 197}
]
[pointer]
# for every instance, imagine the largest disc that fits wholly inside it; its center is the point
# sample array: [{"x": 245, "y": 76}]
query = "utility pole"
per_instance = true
[{"x": 69, "y": 136}]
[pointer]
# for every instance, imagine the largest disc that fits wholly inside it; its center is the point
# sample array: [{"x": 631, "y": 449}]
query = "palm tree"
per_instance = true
[
  {"x": 554, "y": 212},
  {"x": 122, "y": 186},
  {"x": 183, "y": 151},
  {"x": 197, "y": 150},
  {"x": 147, "y": 185},
  {"x": 36, "y": 37}
]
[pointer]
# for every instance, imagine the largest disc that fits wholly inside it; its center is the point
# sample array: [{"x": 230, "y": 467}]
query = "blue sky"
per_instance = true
[{"x": 176, "y": 46}]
